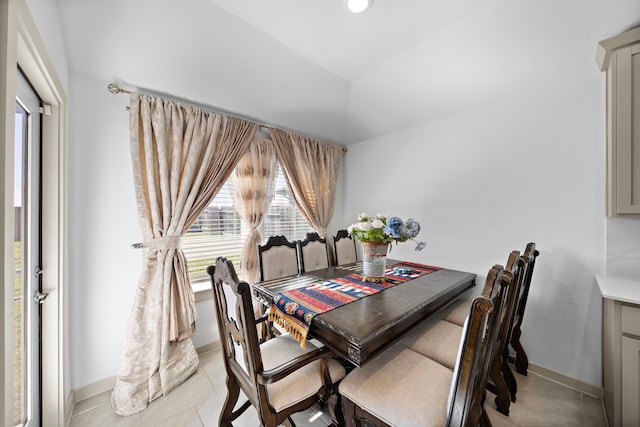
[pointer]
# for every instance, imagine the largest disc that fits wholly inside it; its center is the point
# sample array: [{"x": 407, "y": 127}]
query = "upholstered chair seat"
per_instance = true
[
  {"x": 401, "y": 388},
  {"x": 437, "y": 339},
  {"x": 301, "y": 384},
  {"x": 457, "y": 311}
]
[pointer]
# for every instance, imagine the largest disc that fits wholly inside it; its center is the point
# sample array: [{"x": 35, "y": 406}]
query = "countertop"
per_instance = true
[{"x": 619, "y": 288}]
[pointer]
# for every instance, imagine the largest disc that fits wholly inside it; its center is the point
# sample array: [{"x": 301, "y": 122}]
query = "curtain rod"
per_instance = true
[{"x": 115, "y": 89}]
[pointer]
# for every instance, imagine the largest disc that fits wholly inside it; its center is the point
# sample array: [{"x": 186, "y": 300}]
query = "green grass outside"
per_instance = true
[
  {"x": 217, "y": 245},
  {"x": 18, "y": 367}
]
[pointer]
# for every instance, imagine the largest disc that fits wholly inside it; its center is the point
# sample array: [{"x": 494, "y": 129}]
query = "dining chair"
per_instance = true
[
  {"x": 505, "y": 386},
  {"x": 344, "y": 248},
  {"x": 312, "y": 252},
  {"x": 278, "y": 377},
  {"x": 277, "y": 258},
  {"x": 438, "y": 339},
  {"x": 521, "y": 360},
  {"x": 403, "y": 387},
  {"x": 502, "y": 381},
  {"x": 455, "y": 313},
  {"x": 501, "y": 376}
]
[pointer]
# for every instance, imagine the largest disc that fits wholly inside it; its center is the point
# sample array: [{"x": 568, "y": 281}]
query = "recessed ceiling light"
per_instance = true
[{"x": 358, "y": 6}]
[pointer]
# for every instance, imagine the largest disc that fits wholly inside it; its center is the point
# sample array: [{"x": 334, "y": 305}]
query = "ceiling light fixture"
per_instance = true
[{"x": 358, "y": 6}]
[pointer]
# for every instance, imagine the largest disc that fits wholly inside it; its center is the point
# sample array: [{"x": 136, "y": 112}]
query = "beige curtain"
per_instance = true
[
  {"x": 181, "y": 157},
  {"x": 311, "y": 169},
  {"x": 254, "y": 183}
]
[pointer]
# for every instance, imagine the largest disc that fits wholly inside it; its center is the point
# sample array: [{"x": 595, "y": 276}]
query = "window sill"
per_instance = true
[{"x": 202, "y": 290}]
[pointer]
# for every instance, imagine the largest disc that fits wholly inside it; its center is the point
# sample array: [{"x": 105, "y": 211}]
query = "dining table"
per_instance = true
[{"x": 359, "y": 330}]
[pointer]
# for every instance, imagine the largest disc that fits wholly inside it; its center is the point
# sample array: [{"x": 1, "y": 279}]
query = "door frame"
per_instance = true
[{"x": 20, "y": 44}]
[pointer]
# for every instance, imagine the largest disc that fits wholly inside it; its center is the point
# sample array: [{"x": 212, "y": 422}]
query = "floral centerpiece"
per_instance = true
[
  {"x": 384, "y": 230},
  {"x": 376, "y": 235}
]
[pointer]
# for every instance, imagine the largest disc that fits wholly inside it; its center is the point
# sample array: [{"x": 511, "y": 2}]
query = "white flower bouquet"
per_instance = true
[{"x": 385, "y": 229}]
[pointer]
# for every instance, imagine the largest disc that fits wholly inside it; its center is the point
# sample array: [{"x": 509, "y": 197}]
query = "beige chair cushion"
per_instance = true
[
  {"x": 436, "y": 339},
  {"x": 457, "y": 312},
  {"x": 302, "y": 383},
  {"x": 402, "y": 388},
  {"x": 279, "y": 261}
]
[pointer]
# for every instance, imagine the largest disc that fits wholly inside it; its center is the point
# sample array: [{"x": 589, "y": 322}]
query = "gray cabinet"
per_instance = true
[
  {"x": 630, "y": 381},
  {"x": 621, "y": 362},
  {"x": 619, "y": 56}
]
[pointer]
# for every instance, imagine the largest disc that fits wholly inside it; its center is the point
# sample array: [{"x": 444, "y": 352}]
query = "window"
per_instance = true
[
  {"x": 283, "y": 217},
  {"x": 220, "y": 231}
]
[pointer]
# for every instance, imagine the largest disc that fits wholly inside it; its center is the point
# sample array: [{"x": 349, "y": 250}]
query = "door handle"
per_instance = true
[{"x": 39, "y": 297}]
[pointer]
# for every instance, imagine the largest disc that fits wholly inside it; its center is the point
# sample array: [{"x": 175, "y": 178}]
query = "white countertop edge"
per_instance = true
[{"x": 619, "y": 288}]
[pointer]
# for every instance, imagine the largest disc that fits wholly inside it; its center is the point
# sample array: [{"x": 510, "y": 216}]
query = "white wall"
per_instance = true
[
  {"x": 103, "y": 268},
  {"x": 491, "y": 179},
  {"x": 45, "y": 15}
]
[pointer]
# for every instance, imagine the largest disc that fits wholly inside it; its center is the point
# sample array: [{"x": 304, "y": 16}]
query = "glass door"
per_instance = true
[{"x": 27, "y": 254}]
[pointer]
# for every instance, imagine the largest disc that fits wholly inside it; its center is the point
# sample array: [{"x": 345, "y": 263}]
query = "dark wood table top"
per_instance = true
[{"x": 359, "y": 330}]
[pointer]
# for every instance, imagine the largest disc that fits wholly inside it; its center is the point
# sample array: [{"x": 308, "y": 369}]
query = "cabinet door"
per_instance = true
[
  {"x": 630, "y": 382},
  {"x": 626, "y": 127}
]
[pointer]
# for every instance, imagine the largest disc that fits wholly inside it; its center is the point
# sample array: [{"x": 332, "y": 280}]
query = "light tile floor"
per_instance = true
[{"x": 197, "y": 403}]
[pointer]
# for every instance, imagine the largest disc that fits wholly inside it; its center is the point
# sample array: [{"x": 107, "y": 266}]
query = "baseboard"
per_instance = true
[
  {"x": 208, "y": 347},
  {"x": 106, "y": 385},
  {"x": 581, "y": 386},
  {"x": 94, "y": 389}
]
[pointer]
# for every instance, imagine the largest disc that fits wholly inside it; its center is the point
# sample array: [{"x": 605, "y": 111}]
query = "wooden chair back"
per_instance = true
[
  {"x": 312, "y": 253},
  {"x": 515, "y": 265},
  {"x": 529, "y": 262},
  {"x": 237, "y": 328},
  {"x": 501, "y": 380},
  {"x": 250, "y": 366},
  {"x": 277, "y": 258},
  {"x": 468, "y": 389},
  {"x": 344, "y": 248}
]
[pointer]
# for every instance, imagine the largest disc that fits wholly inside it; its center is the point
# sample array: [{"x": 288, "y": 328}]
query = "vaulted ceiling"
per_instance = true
[
  {"x": 345, "y": 44},
  {"x": 401, "y": 63}
]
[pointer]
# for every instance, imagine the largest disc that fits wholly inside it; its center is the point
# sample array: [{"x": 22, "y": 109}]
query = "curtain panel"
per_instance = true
[
  {"x": 254, "y": 182},
  {"x": 181, "y": 157},
  {"x": 311, "y": 170}
]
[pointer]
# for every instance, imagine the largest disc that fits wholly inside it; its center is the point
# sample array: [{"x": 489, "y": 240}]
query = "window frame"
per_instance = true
[{"x": 197, "y": 266}]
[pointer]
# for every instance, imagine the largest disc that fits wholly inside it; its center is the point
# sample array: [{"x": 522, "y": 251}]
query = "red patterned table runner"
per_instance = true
[{"x": 295, "y": 309}]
